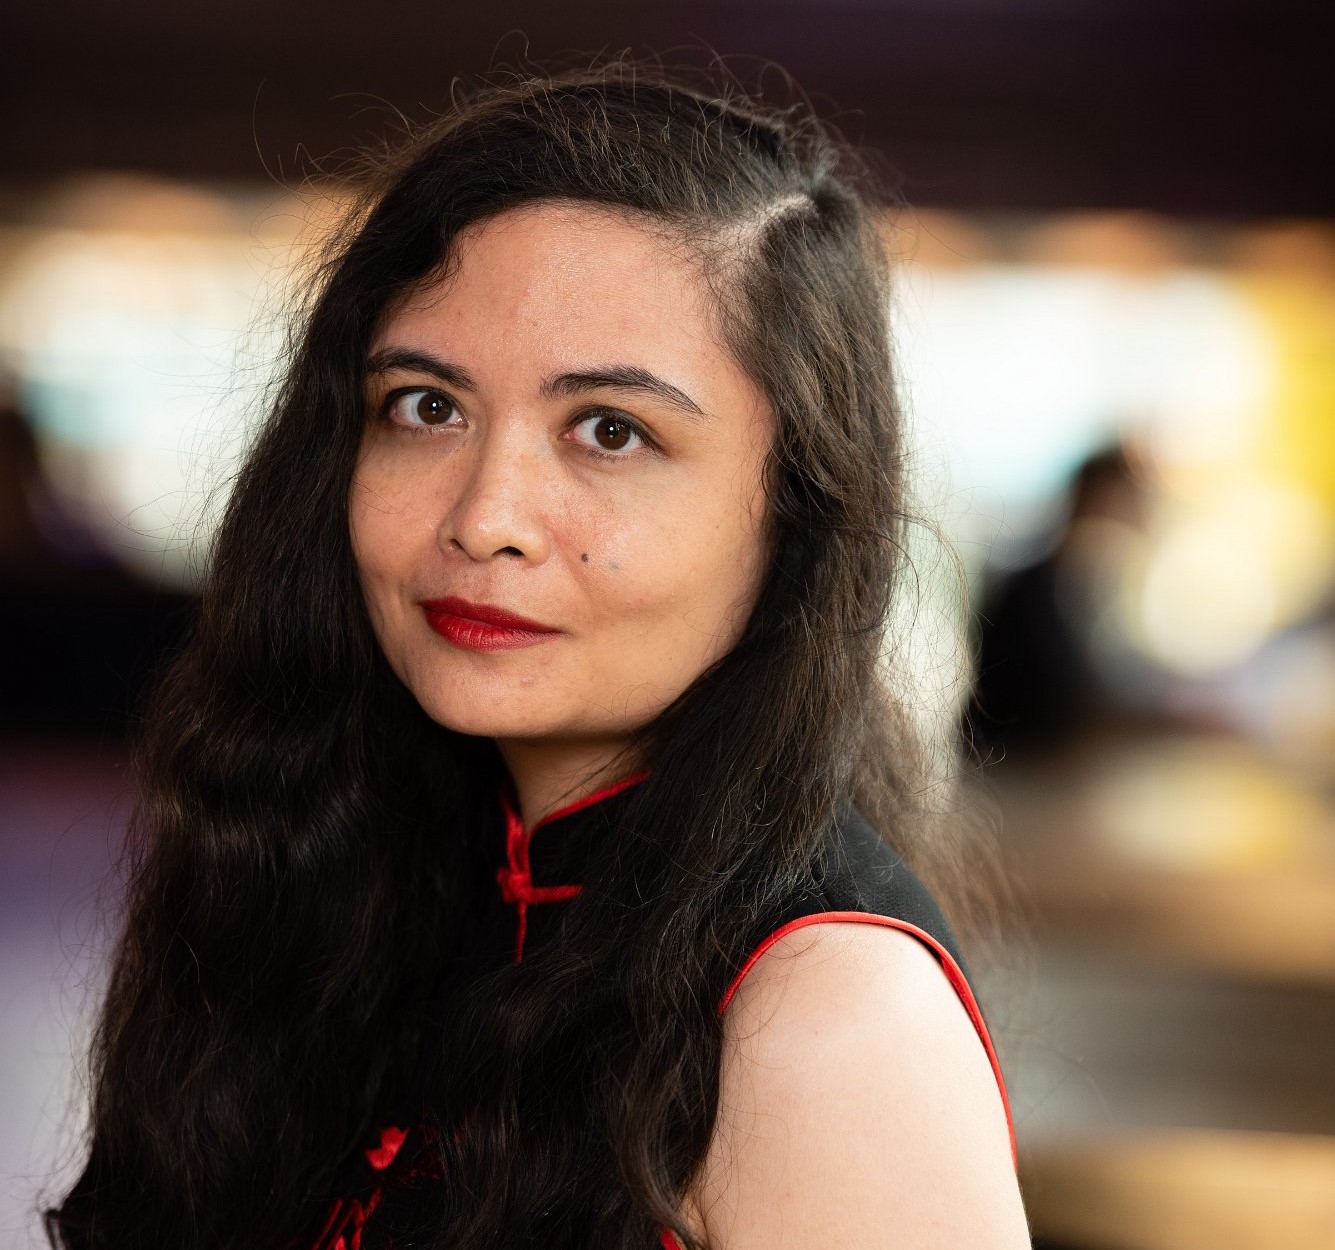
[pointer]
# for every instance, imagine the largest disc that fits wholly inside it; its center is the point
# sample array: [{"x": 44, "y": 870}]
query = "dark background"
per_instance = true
[{"x": 1186, "y": 106}]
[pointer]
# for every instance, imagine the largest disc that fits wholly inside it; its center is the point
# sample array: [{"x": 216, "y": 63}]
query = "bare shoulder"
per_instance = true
[{"x": 857, "y": 1105}]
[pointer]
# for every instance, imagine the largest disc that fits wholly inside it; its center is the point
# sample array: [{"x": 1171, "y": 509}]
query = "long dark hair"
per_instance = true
[{"x": 305, "y": 847}]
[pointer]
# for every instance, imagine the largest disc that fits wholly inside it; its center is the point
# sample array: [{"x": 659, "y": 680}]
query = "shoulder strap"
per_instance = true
[
  {"x": 864, "y": 881},
  {"x": 860, "y": 871}
]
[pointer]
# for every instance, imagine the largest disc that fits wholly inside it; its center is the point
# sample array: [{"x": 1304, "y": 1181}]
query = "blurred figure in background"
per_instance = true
[
  {"x": 1039, "y": 677},
  {"x": 77, "y": 630}
]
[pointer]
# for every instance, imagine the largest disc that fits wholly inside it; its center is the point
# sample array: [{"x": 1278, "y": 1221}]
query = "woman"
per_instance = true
[{"x": 577, "y": 517}]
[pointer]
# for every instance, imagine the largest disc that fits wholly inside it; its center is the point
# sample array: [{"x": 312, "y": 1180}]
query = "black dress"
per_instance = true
[{"x": 387, "y": 1186}]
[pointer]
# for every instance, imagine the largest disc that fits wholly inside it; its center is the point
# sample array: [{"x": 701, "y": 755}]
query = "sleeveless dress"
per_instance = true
[{"x": 386, "y": 1186}]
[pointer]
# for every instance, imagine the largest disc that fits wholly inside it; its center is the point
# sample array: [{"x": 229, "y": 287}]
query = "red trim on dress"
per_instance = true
[
  {"x": 615, "y": 787},
  {"x": 518, "y": 889},
  {"x": 954, "y": 974},
  {"x": 516, "y": 879}
]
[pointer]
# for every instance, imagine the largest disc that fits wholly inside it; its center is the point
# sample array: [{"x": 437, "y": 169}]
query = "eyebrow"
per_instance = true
[
  {"x": 621, "y": 378},
  {"x": 410, "y": 361},
  {"x": 612, "y": 377}
]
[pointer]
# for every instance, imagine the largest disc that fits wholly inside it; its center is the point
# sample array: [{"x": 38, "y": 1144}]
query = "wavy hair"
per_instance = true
[{"x": 308, "y": 844}]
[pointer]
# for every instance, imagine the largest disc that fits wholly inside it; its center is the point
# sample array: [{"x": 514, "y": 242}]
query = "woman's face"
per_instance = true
[{"x": 557, "y": 433}]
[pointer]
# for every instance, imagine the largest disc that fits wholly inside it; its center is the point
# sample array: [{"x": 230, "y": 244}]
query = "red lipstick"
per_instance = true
[{"x": 481, "y": 627}]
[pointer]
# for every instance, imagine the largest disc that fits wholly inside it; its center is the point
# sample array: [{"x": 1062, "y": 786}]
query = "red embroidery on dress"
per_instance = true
[
  {"x": 343, "y": 1229},
  {"x": 321, "y": 1239},
  {"x": 347, "y": 1220},
  {"x": 516, "y": 879},
  {"x": 391, "y": 1139}
]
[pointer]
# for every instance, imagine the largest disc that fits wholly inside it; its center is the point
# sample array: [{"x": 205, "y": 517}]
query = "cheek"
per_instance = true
[
  {"x": 376, "y": 531},
  {"x": 733, "y": 554},
  {"x": 364, "y": 525},
  {"x": 690, "y": 558},
  {"x": 389, "y": 509}
]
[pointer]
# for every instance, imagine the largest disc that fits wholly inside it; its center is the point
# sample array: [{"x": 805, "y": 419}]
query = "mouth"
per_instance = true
[{"x": 483, "y": 627}]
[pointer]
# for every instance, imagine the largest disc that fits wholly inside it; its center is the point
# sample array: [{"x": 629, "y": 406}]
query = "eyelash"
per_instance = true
[
  {"x": 387, "y": 406},
  {"x": 597, "y": 453}
]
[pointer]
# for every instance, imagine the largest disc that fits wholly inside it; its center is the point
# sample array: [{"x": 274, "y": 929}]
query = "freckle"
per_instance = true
[
  {"x": 614, "y": 566},
  {"x": 584, "y": 557}
]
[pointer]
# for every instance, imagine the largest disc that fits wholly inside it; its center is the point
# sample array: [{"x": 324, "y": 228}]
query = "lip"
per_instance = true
[{"x": 482, "y": 626}]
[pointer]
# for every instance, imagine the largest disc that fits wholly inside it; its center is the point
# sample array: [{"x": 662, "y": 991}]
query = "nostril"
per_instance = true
[{"x": 510, "y": 551}]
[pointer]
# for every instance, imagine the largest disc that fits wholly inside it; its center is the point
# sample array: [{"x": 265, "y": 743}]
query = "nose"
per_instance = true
[{"x": 497, "y": 508}]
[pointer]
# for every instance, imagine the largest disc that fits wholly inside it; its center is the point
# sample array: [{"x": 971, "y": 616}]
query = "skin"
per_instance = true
[
  {"x": 647, "y": 558},
  {"x": 857, "y": 1107}
]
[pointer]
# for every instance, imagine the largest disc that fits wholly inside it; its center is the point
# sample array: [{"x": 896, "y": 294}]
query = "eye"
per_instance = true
[
  {"x": 419, "y": 408},
  {"x": 608, "y": 432}
]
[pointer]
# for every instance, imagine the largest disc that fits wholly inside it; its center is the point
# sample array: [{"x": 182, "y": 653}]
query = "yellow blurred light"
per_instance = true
[
  {"x": 1136, "y": 243},
  {"x": 1206, "y": 601},
  {"x": 1206, "y": 806},
  {"x": 1220, "y": 578}
]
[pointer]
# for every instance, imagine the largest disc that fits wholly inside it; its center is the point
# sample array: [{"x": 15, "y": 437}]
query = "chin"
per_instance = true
[
  {"x": 484, "y": 719},
  {"x": 483, "y": 706},
  {"x": 514, "y": 720},
  {"x": 491, "y": 715}
]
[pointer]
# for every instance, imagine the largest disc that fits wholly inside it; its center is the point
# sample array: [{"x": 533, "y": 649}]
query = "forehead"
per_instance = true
[{"x": 560, "y": 285}]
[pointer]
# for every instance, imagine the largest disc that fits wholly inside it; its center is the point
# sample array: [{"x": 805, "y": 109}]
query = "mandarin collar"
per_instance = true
[{"x": 563, "y": 839}]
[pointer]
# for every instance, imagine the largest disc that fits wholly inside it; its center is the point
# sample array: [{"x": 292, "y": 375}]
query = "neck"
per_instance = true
[{"x": 548, "y": 775}]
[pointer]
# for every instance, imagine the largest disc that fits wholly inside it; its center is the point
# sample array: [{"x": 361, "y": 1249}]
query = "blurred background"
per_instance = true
[{"x": 1115, "y": 321}]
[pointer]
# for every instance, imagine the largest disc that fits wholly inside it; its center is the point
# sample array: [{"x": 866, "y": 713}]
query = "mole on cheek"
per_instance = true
[{"x": 584, "y": 557}]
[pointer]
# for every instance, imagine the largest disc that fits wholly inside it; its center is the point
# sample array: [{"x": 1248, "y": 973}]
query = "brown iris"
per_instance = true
[
  {"x": 612, "y": 433},
  {"x": 433, "y": 409}
]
